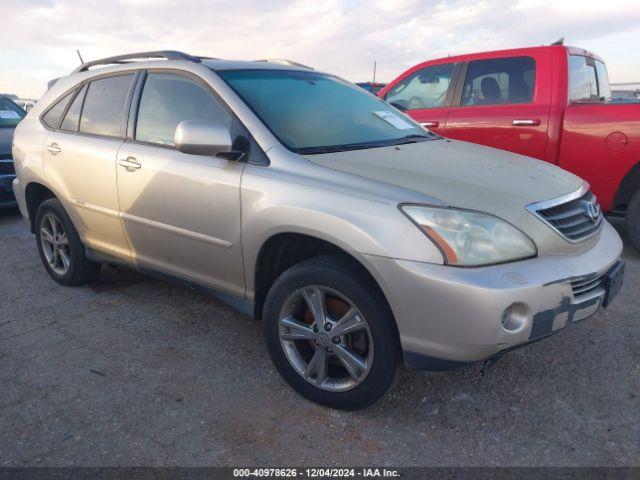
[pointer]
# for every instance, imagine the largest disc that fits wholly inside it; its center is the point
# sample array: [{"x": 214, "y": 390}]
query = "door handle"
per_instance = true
[
  {"x": 526, "y": 122},
  {"x": 53, "y": 149},
  {"x": 430, "y": 124},
  {"x": 130, "y": 164}
]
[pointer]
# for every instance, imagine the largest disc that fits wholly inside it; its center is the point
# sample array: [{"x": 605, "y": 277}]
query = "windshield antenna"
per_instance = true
[{"x": 79, "y": 56}]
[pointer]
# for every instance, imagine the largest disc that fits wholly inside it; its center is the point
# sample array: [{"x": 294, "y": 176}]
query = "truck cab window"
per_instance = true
[
  {"x": 583, "y": 83},
  {"x": 426, "y": 88},
  {"x": 499, "y": 81}
]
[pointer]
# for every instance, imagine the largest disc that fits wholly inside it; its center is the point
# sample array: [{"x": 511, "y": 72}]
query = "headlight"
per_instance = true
[{"x": 470, "y": 238}]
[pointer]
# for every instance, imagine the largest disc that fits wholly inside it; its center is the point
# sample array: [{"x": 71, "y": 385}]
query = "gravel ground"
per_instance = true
[{"x": 134, "y": 371}]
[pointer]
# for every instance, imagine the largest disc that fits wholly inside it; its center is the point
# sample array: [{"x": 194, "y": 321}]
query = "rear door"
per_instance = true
[
  {"x": 502, "y": 102},
  {"x": 425, "y": 94},
  {"x": 80, "y": 158}
]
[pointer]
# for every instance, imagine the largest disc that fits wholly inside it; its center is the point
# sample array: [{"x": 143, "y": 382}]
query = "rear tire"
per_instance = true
[
  {"x": 633, "y": 220},
  {"x": 295, "y": 337},
  {"x": 60, "y": 248}
]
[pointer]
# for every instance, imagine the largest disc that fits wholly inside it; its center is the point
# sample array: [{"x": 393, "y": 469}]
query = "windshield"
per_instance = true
[
  {"x": 310, "y": 112},
  {"x": 10, "y": 113}
]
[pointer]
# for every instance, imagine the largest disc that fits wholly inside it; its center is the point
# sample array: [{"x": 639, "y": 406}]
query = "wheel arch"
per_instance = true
[
  {"x": 629, "y": 185},
  {"x": 285, "y": 249},
  {"x": 35, "y": 193}
]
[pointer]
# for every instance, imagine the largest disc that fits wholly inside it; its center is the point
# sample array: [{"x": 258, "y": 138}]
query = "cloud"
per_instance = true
[{"x": 341, "y": 36}]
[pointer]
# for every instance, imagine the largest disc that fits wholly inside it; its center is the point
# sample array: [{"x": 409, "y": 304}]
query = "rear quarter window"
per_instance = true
[{"x": 53, "y": 116}]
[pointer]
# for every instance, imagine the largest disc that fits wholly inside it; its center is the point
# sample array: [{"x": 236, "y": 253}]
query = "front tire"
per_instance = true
[
  {"x": 633, "y": 220},
  {"x": 330, "y": 333},
  {"x": 60, "y": 247}
]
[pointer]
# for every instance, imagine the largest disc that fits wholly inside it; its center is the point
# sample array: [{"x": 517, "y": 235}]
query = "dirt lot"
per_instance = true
[{"x": 134, "y": 371}]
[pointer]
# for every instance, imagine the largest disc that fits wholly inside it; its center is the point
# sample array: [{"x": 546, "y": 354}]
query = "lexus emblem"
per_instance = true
[{"x": 593, "y": 211}]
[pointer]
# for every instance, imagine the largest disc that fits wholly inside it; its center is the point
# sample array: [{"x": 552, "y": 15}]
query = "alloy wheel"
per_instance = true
[
  {"x": 326, "y": 338},
  {"x": 55, "y": 244}
]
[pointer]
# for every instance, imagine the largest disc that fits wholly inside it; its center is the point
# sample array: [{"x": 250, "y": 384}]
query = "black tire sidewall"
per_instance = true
[
  {"x": 633, "y": 220},
  {"x": 76, "y": 248},
  {"x": 367, "y": 298}
]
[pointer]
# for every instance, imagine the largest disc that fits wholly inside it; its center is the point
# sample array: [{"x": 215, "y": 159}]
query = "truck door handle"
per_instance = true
[
  {"x": 430, "y": 124},
  {"x": 53, "y": 149},
  {"x": 526, "y": 122},
  {"x": 130, "y": 164}
]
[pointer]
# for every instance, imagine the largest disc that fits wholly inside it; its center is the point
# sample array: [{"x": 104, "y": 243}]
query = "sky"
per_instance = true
[{"x": 39, "y": 38}]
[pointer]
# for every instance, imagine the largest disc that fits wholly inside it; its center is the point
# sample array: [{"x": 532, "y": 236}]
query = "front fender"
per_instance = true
[{"x": 275, "y": 202}]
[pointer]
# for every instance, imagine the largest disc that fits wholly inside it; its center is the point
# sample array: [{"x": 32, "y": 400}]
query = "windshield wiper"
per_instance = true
[
  {"x": 339, "y": 148},
  {"x": 414, "y": 138}
]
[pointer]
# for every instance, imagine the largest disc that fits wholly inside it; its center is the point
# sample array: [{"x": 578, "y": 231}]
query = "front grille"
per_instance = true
[
  {"x": 7, "y": 167},
  {"x": 585, "y": 285},
  {"x": 575, "y": 219}
]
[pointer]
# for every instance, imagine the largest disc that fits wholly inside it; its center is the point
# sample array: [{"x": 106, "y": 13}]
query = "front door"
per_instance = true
[
  {"x": 180, "y": 212},
  {"x": 501, "y": 105}
]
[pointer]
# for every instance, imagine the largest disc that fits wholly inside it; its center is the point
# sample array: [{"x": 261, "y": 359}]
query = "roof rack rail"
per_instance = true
[
  {"x": 283, "y": 61},
  {"x": 162, "y": 54}
]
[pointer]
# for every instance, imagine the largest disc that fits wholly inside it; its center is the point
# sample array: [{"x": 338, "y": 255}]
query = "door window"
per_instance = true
[
  {"x": 499, "y": 81},
  {"x": 72, "y": 118},
  {"x": 168, "y": 99},
  {"x": 103, "y": 110},
  {"x": 426, "y": 88}
]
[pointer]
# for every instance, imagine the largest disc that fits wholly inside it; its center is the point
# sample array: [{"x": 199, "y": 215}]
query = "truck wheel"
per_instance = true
[
  {"x": 60, "y": 248},
  {"x": 633, "y": 220},
  {"x": 330, "y": 333}
]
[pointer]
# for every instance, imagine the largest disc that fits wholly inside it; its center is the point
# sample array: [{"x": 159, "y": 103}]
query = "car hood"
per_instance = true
[
  {"x": 468, "y": 176},
  {"x": 6, "y": 137}
]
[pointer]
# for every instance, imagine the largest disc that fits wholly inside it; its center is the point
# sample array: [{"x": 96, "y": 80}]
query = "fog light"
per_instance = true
[{"x": 515, "y": 317}]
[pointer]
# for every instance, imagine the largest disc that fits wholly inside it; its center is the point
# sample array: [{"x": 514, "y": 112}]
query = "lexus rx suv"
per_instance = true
[{"x": 361, "y": 240}]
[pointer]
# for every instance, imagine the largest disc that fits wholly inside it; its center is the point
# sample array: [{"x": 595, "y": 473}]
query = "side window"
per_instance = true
[
  {"x": 104, "y": 103},
  {"x": 583, "y": 85},
  {"x": 499, "y": 81},
  {"x": 72, "y": 118},
  {"x": 168, "y": 99},
  {"x": 52, "y": 118},
  {"x": 426, "y": 88}
]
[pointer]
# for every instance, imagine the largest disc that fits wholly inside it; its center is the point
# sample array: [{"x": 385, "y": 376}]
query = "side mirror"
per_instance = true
[{"x": 201, "y": 137}]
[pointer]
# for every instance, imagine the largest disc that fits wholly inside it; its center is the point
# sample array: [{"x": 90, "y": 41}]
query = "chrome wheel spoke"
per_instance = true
[
  {"x": 316, "y": 370},
  {"x": 64, "y": 258},
  {"x": 353, "y": 363},
  {"x": 315, "y": 299},
  {"x": 53, "y": 260},
  {"x": 54, "y": 226},
  {"x": 349, "y": 323},
  {"x": 62, "y": 239},
  {"x": 296, "y": 330},
  {"x": 46, "y": 235}
]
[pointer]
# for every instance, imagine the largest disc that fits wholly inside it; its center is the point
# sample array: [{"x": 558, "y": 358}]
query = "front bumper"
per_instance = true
[{"x": 450, "y": 316}]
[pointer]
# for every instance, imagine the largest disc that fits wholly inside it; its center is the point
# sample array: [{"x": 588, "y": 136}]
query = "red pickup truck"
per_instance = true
[{"x": 552, "y": 103}]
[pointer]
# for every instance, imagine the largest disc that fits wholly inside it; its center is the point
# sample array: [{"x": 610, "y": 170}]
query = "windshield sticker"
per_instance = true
[
  {"x": 393, "y": 119},
  {"x": 5, "y": 114}
]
